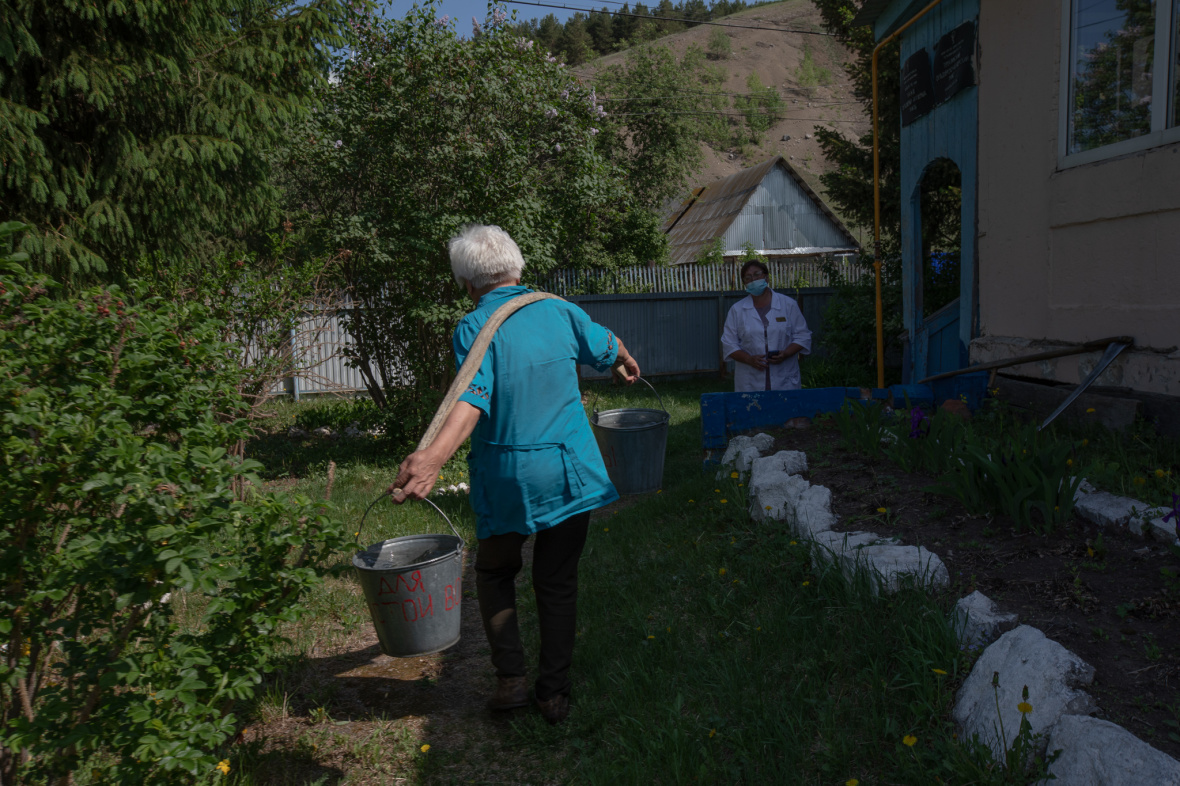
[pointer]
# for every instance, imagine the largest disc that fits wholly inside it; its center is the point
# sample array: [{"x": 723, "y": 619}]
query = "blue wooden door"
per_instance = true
[{"x": 938, "y": 346}]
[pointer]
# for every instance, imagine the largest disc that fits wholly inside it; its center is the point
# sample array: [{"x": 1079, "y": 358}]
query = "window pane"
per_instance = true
[{"x": 1112, "y": 44}]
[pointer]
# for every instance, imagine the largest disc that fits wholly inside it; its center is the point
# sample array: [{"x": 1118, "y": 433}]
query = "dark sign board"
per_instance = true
[
  {"x": 917, "y": 93},
  {"x": 954, "y": 62}
]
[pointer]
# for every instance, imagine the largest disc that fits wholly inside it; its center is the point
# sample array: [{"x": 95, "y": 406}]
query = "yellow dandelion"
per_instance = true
[
  {"x": 424, "y": 748},
  {"x": 721, "y": 572},
  {"x": 852, "y": 782},
  {"x": 758, "y": 628},
  {"x": 712, "y": 733},
  {"x": 909, "y": 740},
  {"x": 606, "y": 529},
  {"x": 724, "y": 501},
  {"x": 650, "y": 637},
  {"x": 716, "y": 491},
  {"x": 1090, "y": 411},
  {"x": 1024, "y": 707},
  {"x": 939, "y": 672},
  {"x": 736, "y": 581},
  {"x": 794, "y": 543},
  {"x": 659, "y": 491},
  {"x": 768, "y": 507},
  {"x": 1089, "y": 551},
  {"x": 668, "y": 629},
  {"x": 1069, "y": 462},
  {"x": 692, "y": 500},
  {"x": 882, "y": 510},
  {"x": 806, "y": 583},
  {"x": 223, "y": 766},
  {"x": 1140, "y": 481},
  {"x": 740, "y": 485},
  {"x": 733, "y": 474},
  {"x": 1159, "y": 473}
]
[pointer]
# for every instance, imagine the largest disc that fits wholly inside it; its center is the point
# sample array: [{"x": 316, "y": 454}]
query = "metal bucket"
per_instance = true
[
  {"x": 413, "y": 588},
  {"x": 633, "y": 442}
]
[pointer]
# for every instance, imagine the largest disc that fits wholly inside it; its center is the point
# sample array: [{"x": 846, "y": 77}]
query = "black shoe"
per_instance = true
[
  {"x": 556, "y": 709},
  {"x": 511, "y": 693}
]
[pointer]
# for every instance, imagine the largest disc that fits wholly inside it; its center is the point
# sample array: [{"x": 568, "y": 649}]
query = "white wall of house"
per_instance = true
[{"x": 1069, "y": 252}]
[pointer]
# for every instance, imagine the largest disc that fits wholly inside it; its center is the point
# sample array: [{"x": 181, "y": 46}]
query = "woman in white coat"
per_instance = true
[{"x": 764, "y": 334}]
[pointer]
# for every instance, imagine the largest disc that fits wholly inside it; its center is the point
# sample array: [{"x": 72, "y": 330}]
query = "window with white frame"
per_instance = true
[{"x": 1123, "y": 76}]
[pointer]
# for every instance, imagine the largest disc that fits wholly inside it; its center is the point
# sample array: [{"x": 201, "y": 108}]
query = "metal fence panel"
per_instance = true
[{"x": 680, "y": 333}]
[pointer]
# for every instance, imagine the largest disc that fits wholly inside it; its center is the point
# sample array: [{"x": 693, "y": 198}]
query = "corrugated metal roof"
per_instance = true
[{"x": 786, "y": 217}]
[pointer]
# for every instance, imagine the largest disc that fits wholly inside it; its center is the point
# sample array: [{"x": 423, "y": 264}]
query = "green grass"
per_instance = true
[{"x": 710, "y": 650}]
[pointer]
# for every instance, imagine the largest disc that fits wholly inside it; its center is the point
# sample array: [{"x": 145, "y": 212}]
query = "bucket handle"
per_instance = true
[
  {"x": 644, "y": 381},
  {"x": 384, "y": 494}
]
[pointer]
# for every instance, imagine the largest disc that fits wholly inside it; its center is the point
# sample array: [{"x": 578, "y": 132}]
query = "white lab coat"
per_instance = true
[{"x": 744, "y": 330}]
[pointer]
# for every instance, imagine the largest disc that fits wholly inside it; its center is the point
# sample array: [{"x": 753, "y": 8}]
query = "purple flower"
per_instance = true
[
  {"x": 565, "y": 94},
  {"x": 339, "y": 144},
  {"x": 524, "y": 44},
  {"x": 1174, "y": 516},
  {"x": 593, "y": 131},
  {"x": 557, "y": 147},
  {"x": 475, "y": 28},
  {"x": 601, "y": 112},
  {"x": 443, "y": 20},
  {"x": 550, "y": 112},
  {"x": 916, "y": 421},
  {"x": 498, "y": 15}
]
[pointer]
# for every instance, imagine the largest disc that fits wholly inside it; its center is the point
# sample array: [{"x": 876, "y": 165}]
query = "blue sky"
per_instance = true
[{"x": 463, "y": 10}]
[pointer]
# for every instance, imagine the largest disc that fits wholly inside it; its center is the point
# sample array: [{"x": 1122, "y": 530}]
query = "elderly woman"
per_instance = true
[
  {"x": 765, "y": 334},
  {"x": 535, "y": 468}
]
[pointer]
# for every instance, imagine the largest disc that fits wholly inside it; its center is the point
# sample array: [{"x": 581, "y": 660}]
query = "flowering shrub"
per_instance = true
[{"x": 140, "y": 599}]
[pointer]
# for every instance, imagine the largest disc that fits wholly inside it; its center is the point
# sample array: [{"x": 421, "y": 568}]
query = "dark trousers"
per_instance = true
[{"x": 555, "y": 583}]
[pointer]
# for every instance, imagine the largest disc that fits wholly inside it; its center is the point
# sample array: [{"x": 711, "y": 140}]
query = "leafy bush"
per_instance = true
[
  {"x": 140, "y": 597},
  {"x": 339, "y": 415},
  {"x": 720, "y": 47},
  {"x": 760, "y": 107}
]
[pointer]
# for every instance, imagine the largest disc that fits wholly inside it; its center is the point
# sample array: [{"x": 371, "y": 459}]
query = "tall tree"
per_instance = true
[{"x": 129, "y": 128}]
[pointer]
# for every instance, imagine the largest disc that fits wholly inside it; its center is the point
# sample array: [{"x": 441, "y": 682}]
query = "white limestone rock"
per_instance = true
[
  {"x": 785, "y": 462},
  {"x": 1099, "y": 753},
  {"x": 774, "y": 495},
  {"x": 1162, "y": 531},
  {"x": 322, "y": 431},
  {"x": 1022, "y": 656},
  {"x": 742, "y": 450},
  {"x": 840, "y": 545},
  {"x": 978, "y": 620},
  {"x": 354, "y": 430},
  {"x": 892, "y": 565}
]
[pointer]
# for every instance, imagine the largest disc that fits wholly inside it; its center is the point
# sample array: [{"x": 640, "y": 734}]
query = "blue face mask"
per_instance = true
[{"x": 757, "y": 287}]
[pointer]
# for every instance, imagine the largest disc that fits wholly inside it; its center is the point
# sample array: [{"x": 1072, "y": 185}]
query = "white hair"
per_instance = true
[{"x": 484, "y": 255}]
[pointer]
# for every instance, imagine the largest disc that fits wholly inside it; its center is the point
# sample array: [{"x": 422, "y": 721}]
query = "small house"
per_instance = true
[{"x": 769, "y": 207}]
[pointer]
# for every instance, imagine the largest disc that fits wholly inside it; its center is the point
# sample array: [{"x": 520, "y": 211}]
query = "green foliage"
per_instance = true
[
  {"x": 1019, "y": 472},
  {"x": 656, "y": 141},
  {"x": 712, "y": 253},
  {"x": 267, "y": 305},
  {"x": 809, "y": 75},
  {"x": 760, "y": 107},
  {"x": 129, "y": 128},
  {"x": 117, "y": 491},
  {"x": 423, "y": 132},
  {"x": 719, "y": 47},
  {"x": 339, "y": 415},
  {"x": 850, "y": 335}
]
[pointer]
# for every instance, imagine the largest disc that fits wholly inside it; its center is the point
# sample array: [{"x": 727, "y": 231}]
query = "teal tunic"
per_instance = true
[{"x": 533, "y": 460}]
